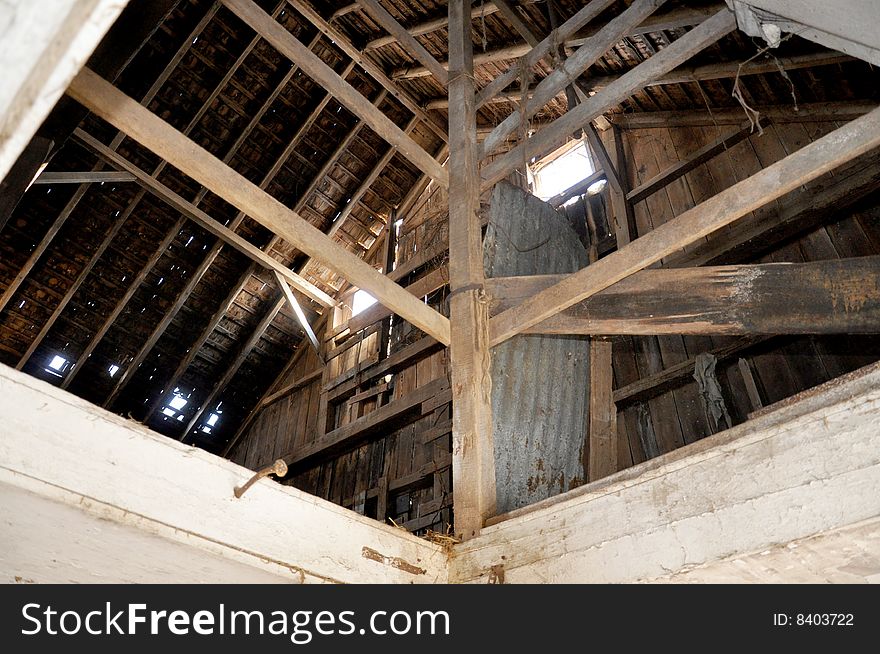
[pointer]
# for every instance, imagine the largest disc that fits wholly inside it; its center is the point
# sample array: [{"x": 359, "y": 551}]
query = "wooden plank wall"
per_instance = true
[
  {"x": 778, "y": 367},
  {"x": 412, "y": 461}
]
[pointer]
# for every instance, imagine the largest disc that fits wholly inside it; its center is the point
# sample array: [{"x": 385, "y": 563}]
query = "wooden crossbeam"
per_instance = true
[
  {"x": 473, "y": 454},
  {"x": 298, "y": 312},
  {"x": 570, "y": 69},
  {"x": 856, "y": 138},
  {"x": 434, "y": 280},
  {"x": 803, "y": 113},
  {"x": 152, "y": 132},
  {"x": 824, "y": 297},
  {"x": 511, "y": 16},
  {"x": 288, "y": 45},
  {"x": 206, "y": 222},
  {"x": 85, "y": 177},
  {"x": 406, "y": 39},
  {"x": 557, "y": 132},
  {"x": 378, "y": 422}
]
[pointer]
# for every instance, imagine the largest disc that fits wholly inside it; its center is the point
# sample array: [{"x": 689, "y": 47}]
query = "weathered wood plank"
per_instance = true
[
  {"x": 844, "y": 144},
  {"x": 821, "y": 297}
]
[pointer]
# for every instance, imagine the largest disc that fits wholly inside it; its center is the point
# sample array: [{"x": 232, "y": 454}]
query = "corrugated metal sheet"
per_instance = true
[{"x": 539, "y": 383}]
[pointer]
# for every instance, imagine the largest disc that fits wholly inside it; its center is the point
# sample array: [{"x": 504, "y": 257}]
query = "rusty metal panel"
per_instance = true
[{"x": 539, "y": 383}]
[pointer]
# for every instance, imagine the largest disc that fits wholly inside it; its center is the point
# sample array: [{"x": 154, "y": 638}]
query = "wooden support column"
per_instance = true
[
  {"x": 624, "y": 217},
  {"x": 602, "y": 445},
  {"x": 473, "y": 468}
]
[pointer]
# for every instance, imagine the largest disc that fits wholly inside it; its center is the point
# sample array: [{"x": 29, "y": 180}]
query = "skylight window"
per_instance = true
[
  {"x": 362, "y": 300},
  {"x": 212, "y": 419},
  {"x": 58, "y": 363},
  {"x": 178, "y": 402},
  {"x": 113, "y": 369},
  {"x": 562, "y": 170}
]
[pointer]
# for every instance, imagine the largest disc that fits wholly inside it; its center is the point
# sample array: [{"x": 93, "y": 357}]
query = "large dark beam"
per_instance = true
[
  {"x": 824, "y": 297},
  {"x": 20, "y": 176}
]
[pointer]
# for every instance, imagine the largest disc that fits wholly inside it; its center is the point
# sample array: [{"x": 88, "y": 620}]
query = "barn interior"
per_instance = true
[{"x": 471, "y": 291}]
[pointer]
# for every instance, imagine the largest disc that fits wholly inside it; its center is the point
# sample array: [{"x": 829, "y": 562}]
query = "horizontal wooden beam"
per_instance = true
[
  {"x": 659, "y": 64},
  {"x": 701, "y": 156},
  {"x": 198, "y": 216},
  {"x": 823, "y": 297},
  {"x": 853, "y": 139},
  {"x": 420, "y": 288},
  {"x": 85, "y": 177},
  {"x": 804, "y": 113},
  {"x": 303, "y": 381},
  {"x": 680, "y": 373},
  {"x": 355, "y": 433},
  {"x": 152, "y": 132},
  {"x": 289, "y": 46}
]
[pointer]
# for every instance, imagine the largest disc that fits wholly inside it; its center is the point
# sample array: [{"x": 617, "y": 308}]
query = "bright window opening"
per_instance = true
[
  {"x": 58, "y": 363},
  {"x": 212, "y": 419},
  {"x": 561, "y": 170},
  {"x": 113, "y": 369},
  {"x": 177, "y": 403},
  {"x": 362, "y": 300},
  {"x": 169, "y": 412}
]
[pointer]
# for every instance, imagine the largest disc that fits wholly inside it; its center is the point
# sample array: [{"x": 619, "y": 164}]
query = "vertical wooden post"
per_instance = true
[
  {"x": 473, "y": 456},
  {"x": 624, "y": 217},
  {"x": 602, "y": 447}
]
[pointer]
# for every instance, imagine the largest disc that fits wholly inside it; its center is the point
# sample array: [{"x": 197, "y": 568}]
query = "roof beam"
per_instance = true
[
  {"x": 570, "y": 69},
  {"x": 205, "y": 221},
  {"x": 824, "y": 297},
  {"x": 818, "y": 112},
  {"x": 68, "y": 209},
  {"x": 314, "y": 67},
  {"x": 856, "y": 138},
  {"x": 115, "y": 107},
  {"x": 235, "y": 364},
  {"x": 372, "y": 69},
  {"x": 87, "y": 177},
  {"x": 544, "y": 48},
  {"x": 406, "y": 40},
  {"x": 684, "y": 17},
  {"x": 559, "y": 130}
]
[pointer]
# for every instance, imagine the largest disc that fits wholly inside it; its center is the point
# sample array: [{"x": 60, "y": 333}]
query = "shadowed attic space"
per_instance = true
[{"x": 263, "y": 317}]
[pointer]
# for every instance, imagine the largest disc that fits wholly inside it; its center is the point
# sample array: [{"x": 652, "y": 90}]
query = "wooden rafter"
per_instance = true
[
  {"x": 856, "y": 138},
  {"x": 215, "y": 227},
  {"x": 78, "y": 195},
  {"x": 312, "y": 65},
  {"x": 559, "y": 130},
  {"x": 407, "y": 40},
  {"x": 86, "y": 177},
  {"x": 570, "y": 69},
  {"x": 372, "y": 69},
  {"x": 236, "y": 363},
  {"x": 684, "y": 17},
  {"x": 152, "y": 132},
  {"x": 132, "y": 289}
]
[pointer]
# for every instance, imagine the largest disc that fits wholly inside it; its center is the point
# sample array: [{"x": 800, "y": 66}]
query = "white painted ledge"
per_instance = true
[
  {"x": 42, "y": 46},
  {"x": 61, "y": 455},
  {"x": 805, "y": 470}
]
